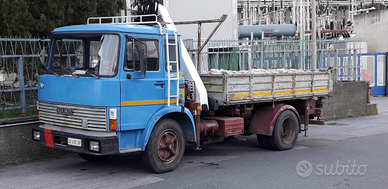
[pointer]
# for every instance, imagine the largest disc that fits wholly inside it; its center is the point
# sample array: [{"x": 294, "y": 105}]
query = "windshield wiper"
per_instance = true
[
  {"x": 69, "y": 72},
  {"x": 86, "y": 71},
  {"x": 55, "y": 73}
]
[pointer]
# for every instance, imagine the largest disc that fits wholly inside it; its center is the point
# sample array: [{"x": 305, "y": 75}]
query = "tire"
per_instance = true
[
  {"x": 285, "y": 132},
  {"x": 264, "y": 141},
  {"x": 89, "y": 157},
  {"x": 165, "y": 147}
]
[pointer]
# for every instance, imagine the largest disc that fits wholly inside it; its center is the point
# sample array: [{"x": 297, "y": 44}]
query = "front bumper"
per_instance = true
[{"x": 57, "y": 137}]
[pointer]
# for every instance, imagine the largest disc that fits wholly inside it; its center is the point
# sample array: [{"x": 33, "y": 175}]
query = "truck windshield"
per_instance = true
[{"x": 89, "y": 55}]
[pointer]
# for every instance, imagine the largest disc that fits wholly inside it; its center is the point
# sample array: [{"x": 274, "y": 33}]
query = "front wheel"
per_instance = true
[
  {"x": 165, "y": 147},
  {"x": 285, "y": 132}
]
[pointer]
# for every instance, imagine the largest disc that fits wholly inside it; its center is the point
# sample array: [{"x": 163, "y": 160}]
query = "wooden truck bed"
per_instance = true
[{"x": 231, "y": 88}]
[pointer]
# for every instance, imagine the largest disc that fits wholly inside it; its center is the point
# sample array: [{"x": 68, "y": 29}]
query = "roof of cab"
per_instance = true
[{"x": 131, "y": 28}]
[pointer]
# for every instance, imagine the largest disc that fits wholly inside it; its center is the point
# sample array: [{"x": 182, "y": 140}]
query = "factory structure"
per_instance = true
[
  {"x": 330, "y": 14},
  {"x": 277, "y": 34}
]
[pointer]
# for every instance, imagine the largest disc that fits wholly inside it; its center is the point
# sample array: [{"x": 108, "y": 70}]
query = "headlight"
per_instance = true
[
  {"x": 113, "y": 113},
  {"x": 94, "y": 146}
]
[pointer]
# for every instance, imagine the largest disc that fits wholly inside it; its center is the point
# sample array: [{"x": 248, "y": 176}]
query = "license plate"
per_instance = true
[{"x": 74, "y": 142}]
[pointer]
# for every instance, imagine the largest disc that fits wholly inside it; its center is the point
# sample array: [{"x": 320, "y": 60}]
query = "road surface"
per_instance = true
[{"x": 346, "y": 153}]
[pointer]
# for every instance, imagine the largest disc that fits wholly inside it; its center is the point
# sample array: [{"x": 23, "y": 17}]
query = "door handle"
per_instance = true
[{"x": 159, "y": 84}]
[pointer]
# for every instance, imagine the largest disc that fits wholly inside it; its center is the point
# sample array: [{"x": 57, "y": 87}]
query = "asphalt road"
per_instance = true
[{"x": 347, "y": 153}]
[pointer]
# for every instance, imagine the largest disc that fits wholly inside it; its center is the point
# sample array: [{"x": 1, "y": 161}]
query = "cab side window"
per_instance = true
[{"x": 132, "y": 58}]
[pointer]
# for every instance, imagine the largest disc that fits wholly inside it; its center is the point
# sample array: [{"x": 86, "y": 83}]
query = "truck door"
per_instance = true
[{"x": 141, "y": 95}]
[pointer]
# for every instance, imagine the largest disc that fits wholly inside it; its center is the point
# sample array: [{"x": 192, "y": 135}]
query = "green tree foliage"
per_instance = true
[
  {"x": 14, "y": 18},
  {"x": 40, "y": 17}
]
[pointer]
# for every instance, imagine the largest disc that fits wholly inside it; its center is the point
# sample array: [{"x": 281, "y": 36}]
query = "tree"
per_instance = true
[
  {"x": 40, "y": 17},
  {"x": 14, "y": 19}
]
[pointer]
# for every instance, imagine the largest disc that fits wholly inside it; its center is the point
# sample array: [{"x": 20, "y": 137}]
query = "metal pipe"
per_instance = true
[
  {"x": 355, "y": 64},
  {"x": 301, "y": 53},
  {"x": 248, "y": 12},
  {"x": 21, "y": 86},
  {"x": 199, "y": 46},
  {"x": 274, "y": 30},
  {"x": 197, "y": 120},
  {"x": 314, "y": 37},
  {"x": 252, "y": 49},
  {"x": 18, "y": 124},
  {"x": 293, "y": 11},
  {"x": 221, "y": 20},
  {"x": 208, "y": 126},
  {"x": 262, "y": 50},
  {"x": 368, "y": 92},
  {"x": 200, "y": 22}
]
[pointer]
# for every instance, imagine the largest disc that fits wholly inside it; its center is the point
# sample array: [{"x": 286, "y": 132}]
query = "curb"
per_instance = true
[{"x": 18, "y": 120}]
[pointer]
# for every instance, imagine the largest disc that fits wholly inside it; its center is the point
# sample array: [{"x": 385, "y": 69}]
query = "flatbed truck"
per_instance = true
[{"x": 112, "y": 88}]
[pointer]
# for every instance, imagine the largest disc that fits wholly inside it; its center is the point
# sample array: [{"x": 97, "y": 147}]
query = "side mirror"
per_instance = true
[
  {"x": 43, "y": 57},
  {"x": 142, "y": 52},
  {"x": 143, "y": 62},
  {"x": 139, "y": 55}
]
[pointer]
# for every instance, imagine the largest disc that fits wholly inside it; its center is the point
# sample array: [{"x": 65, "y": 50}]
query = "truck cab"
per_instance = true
[{"x": 107, "y": 86}]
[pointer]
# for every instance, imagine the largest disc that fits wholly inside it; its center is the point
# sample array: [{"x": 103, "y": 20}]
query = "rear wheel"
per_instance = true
[
  {"x": 285, "y": 132},
  {"x": 264, "y": 141},
  {"x": 165, "y": 147},
  {"x": 89, "y": 157}
]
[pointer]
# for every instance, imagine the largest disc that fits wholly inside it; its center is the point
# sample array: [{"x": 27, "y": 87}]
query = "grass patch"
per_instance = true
[{"x": 17, "y": 113}]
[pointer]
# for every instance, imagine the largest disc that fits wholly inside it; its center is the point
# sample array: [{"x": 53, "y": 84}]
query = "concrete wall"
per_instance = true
[
  {"x": 17, "y": 147},
  {"x": 189, "y": 10},
  {"x": 349, "y": 100},
  {"x": 372, "y": 28}
]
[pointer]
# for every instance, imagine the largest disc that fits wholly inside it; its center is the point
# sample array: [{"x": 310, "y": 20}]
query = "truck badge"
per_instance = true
[{"x": 64, "y": 111}]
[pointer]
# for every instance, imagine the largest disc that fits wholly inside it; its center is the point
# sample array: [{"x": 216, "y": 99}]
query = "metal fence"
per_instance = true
[
  {"x": 20, "y": 65},
  {"x": 376, "y": 65},
  {"x": 340, "y": 55},
  {"x": 19, "y": 70}
]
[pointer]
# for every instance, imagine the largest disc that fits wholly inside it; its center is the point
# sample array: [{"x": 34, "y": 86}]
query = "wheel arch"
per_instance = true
[
  {"x": 179, "y": 114},
  {"x": 264, "y": 119},
  {"x": 186, "y": 123}
]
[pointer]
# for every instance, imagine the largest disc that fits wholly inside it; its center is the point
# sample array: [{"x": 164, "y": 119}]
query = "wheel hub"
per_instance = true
[
  {"x": 168, "y": 146},
  {"x": 287, "y": 131}
]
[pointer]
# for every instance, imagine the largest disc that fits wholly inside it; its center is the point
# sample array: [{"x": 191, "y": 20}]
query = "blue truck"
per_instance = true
[{"x": 127, "y": 84}]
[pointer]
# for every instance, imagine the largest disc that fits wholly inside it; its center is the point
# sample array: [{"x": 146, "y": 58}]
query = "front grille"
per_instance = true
[{"x": 83, "y": 117}]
